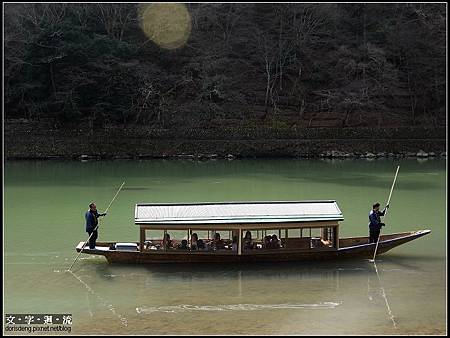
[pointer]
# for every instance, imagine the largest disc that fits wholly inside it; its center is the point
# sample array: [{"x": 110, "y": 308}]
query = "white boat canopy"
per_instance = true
[{"x": 237, "y": 212}]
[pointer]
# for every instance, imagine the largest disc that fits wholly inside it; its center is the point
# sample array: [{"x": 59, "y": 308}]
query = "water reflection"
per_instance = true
[
  {"x": 239, "y": 281},
  {"x": 183, "y": 272},
  {"x": 260, "y": 288},
  {"x": 327, "y": 270}
]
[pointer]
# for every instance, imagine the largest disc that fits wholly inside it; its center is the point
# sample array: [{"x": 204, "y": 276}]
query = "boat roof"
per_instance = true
[{"x": 237, "y": 212}]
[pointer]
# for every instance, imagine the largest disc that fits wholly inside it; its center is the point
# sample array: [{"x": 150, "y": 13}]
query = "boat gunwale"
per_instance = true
[{"x": 416, "y": 233}]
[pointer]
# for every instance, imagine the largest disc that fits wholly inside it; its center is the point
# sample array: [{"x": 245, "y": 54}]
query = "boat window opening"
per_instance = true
[
  {"x": 224, "y": 234},
  {"x": 271, "y": 239},
  {"x": 316, "y": 235},
  {"x": 154, "y": 235},
  {"x": 293, "y": 233},
  {"x": 322, "y": 238},
  {"x": 328, "y": 236},
  {"x": 153, "y": 239},
  {"x": 324, "y": 233},
  {"x": 266, "y": 239},
  {"x": 198, "y": 240},
  {"x": 177, "y": 239},
  {"x": 295, "y": 238},
  {"x": 222, "y": 243},
  {"x": 252, "y": 232}
]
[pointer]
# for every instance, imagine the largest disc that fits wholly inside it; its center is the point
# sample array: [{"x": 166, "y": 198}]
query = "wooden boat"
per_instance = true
[{"x": 304, "y": 230}]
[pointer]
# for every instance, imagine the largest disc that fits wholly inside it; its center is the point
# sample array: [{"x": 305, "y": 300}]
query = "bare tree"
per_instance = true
[
  {"x": 225, "y": 18},
  {"x": 116, "y": 18}
]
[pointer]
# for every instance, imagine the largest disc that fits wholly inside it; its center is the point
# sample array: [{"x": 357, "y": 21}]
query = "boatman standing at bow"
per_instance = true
[
  {"x": 375, "y": 223},
  {"x": 92, "y": 216}
]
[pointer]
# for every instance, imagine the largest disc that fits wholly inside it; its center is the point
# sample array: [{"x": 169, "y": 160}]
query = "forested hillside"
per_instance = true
[{"x": 278, "y": 65}]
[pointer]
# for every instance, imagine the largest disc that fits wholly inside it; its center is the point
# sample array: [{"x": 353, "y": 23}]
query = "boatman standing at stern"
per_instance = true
[
  {"x": 375, "y": 223},
  {"x": 92, "y": 216}
]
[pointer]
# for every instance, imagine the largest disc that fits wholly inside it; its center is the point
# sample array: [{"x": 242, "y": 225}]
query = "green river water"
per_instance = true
[{"x": 45, "y": 202}]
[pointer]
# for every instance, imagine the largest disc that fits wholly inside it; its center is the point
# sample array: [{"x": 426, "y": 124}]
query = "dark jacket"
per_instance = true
[
  {"x": 92, "y": 220},
  {"x": 375, "y": 220}
]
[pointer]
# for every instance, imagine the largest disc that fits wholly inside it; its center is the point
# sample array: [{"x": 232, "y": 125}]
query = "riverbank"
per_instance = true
[{"x": 34, "y": 140}]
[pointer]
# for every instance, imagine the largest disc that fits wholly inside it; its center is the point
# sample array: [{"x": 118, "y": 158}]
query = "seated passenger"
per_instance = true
[
  {"x": 274, "y": 242},
  {"x": 194, "y": 241},
  {"x": 200, "y": 244},
  {"x": 148, "y": 244},
  {"x": 217, "y": 243},
  {"x": 167, "y": 242},
  {"x": 266, "y": 243},
  {"x": 325, "y": 242},
  {"x": 248, "y": 243},
  {"x": 183, "y": 245}
]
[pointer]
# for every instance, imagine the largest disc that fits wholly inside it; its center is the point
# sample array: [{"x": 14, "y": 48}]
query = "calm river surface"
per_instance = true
[{"x": 45, "y": 202}]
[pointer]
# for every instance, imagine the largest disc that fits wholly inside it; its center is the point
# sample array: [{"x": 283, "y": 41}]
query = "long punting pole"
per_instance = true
[
  {"x": 117, "y": 193},
  {"x": 123, "y": 319},
  {"x": 383, "y": 294},
  {"x": 389, "y": 199}
]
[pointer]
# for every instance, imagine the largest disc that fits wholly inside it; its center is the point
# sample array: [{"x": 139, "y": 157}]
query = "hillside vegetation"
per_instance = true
[{"x": 243, "y": 66}]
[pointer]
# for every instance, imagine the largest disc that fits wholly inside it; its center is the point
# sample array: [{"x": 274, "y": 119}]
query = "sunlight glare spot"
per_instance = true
[{"x": 166, "y": 24}]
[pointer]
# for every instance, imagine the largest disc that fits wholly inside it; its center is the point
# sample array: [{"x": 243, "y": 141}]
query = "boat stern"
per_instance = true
[
  {"x": 80, "y": 246},
  {"x": 100, "y": 248}
]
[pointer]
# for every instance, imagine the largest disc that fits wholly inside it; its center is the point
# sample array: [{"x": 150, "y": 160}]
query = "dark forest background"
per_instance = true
[{"x": 246, "y": 65}]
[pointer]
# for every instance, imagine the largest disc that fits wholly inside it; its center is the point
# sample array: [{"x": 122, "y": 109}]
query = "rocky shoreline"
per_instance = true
[
  {"x": 333, "y": 154},
  {"x": 419, "y": 154},
  {"x": 40, "y": 141}
]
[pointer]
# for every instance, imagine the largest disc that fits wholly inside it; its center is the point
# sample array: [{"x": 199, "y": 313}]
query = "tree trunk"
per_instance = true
[
  {"x": 53, "y": 80},
  {"x": 266, "y": 101},
  {"x": 279, "y": 54}
]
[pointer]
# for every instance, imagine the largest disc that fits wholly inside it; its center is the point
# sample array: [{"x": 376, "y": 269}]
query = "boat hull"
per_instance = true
[{"x": 354, "y": 247}]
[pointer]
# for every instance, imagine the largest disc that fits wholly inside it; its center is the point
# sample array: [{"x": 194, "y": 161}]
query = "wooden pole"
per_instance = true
[
  {"x": 117, "y": 193},
  {"x": 141, "y": 240},
  {"x": 389, "y": 199},
  {"x": 240, "y": 242}
]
